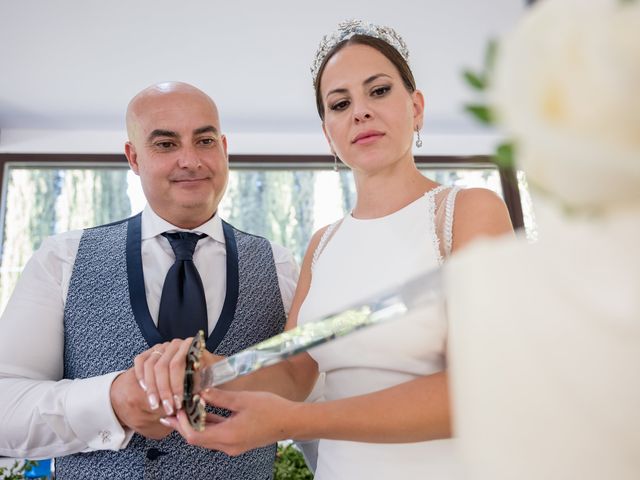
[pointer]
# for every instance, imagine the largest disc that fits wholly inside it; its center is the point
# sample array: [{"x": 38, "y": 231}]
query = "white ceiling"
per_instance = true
[{"x": 68, "y": 66}]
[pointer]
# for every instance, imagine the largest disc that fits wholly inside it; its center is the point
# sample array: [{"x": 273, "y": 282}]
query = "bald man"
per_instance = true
[{"x": 89, "y": 301}]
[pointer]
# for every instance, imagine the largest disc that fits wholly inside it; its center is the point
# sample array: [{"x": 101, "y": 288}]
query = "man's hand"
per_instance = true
[
  {"x": 160, "y": 373},
  {"x": 131, "y": 406}
]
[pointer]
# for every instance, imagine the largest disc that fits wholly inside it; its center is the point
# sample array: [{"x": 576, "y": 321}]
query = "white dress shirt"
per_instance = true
[{"x": 42, "y": 415}]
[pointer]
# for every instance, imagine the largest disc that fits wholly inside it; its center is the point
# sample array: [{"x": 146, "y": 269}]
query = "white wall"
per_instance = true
[{"x": 69, "y": 68}]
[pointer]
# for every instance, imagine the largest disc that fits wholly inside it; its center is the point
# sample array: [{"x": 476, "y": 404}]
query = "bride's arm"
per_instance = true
[
  {"x": 414, "y": 411},
  {"x": 478, "y": 213}
]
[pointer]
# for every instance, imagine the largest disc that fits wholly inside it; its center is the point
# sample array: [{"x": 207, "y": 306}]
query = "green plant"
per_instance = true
[
  {"x": 290, "y": 464},
  {"x": 16, "y": 472},
  {"x": 480, "y": 81}
]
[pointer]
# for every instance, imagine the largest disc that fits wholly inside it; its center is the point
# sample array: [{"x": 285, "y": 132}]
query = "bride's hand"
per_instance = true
[
  {"x": 257, "y": 419},
  {"x": 160, "y": 373}
]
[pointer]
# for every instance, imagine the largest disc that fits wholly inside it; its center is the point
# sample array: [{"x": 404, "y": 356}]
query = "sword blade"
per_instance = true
[{"x": 387, "y": 305}]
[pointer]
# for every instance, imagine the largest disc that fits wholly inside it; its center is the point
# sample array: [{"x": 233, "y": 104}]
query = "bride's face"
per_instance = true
[{"x": 370, "y": 116}]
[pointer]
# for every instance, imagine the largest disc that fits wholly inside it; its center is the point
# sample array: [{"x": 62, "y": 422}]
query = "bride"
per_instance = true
[{"x": 387, "y": 404}]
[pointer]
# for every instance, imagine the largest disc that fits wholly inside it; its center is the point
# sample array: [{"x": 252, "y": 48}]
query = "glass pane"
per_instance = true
[
  {"x": 44, "y": 201},
  {"x": 282, "y": 204},
  {"x": 466, "y": 177},
  {"x": 287, "y": 206}
]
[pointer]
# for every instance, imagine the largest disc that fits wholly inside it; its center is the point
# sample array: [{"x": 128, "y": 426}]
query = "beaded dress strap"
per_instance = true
[
  {"x": 326, "y": 236},
  {"x": 434, "y": 191},
  {"x": 431, "y": 203},
  {"x": 448, "y": 220}
]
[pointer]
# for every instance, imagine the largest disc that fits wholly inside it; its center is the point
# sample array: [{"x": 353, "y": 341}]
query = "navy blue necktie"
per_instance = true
[{"x": 183, "y": 307}]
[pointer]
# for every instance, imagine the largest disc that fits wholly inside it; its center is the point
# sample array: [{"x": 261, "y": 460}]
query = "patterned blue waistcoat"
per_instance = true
[{"x": 107, "y": 323}]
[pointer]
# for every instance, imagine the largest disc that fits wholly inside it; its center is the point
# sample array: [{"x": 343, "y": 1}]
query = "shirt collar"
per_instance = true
[{"x": 154, "y": 225}]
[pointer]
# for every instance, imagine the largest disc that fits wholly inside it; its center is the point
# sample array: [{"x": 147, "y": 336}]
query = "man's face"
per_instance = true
[{"x": 178, "y": 151}]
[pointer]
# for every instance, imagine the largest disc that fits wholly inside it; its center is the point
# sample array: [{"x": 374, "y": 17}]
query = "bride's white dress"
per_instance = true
[{"x": 355, "y": 259}]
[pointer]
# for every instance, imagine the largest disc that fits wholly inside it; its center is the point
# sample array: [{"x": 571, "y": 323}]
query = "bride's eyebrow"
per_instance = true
[
  {"x": 373, "y": 78},
  {"x": 336, "y": 90}
]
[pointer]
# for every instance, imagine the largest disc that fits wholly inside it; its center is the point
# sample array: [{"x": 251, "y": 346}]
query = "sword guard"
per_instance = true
[{"x": 193, "y": 407}]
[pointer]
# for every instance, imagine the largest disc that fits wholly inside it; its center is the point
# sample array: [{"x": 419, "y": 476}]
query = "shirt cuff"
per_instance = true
[{"x": 91, "y": 416}]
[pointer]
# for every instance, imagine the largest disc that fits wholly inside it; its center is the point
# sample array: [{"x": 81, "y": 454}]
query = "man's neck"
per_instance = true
[{"x": 187, "y": 222}]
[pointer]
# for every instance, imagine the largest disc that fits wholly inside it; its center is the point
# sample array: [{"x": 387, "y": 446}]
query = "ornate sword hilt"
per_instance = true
[{"x": 193, "y": 406}]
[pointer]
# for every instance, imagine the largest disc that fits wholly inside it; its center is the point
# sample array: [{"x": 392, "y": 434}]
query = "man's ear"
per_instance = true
[
  {"x": 223, "y": 139},
  {"x": 132, "y": 157}
]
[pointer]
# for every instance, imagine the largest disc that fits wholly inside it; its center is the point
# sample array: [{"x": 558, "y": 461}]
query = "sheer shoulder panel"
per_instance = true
[{"x": 326, "y": 236}]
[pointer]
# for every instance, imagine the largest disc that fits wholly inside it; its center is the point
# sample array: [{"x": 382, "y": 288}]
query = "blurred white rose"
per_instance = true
[{"x": 567, "y": 87}]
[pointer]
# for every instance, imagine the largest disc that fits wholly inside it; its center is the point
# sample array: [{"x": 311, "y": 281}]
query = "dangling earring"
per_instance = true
[
  {"x": 418, "y": 140},
  {"x": 335, "y": 162}
]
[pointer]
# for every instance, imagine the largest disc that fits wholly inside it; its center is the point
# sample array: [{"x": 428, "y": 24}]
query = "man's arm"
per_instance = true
[
  {"x": 36, "y": 424},
  {"x": 40, "y": 414}
]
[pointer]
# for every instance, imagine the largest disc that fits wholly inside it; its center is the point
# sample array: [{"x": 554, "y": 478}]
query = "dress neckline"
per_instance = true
[{"x": 428, "y": 194}]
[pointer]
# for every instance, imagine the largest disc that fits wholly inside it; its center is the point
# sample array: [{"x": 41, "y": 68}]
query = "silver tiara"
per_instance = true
[{"x": 349, "y": 28}]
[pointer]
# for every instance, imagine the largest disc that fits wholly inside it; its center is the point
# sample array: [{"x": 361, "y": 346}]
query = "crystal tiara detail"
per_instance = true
[{"x": 349, "y": 28}]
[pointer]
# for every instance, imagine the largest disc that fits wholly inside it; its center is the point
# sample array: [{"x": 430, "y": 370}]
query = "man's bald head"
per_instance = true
[
  {"x": 176, "y": 147},
  {"x": 156, "y": 96}
]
